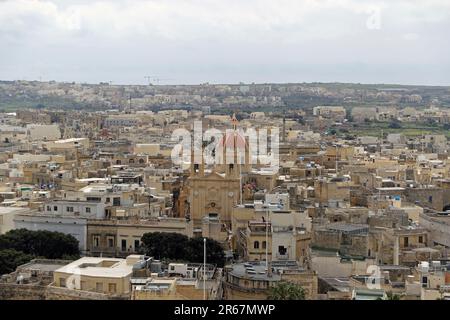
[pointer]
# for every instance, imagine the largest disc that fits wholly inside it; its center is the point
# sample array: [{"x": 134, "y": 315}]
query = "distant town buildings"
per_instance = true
[{"x": 358, "y": 207}]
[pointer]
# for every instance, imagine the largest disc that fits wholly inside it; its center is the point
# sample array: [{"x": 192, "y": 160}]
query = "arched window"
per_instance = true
[
  {"x": 256, "y": 245},
  {"x": 264, "y": 244}
]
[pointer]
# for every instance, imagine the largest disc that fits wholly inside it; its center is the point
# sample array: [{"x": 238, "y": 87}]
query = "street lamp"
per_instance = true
[{"x": 204, "y": 268}]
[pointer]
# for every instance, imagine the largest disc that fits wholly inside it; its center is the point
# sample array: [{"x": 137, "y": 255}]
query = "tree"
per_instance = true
[
  {"x": 174, "y": 246},
  {"x": 165, "y": 245},
  {"x": 48, "y": 244},
  {"x": 349, "y": 116},
  {"x": 10, "y": 259},
  {"x": 214, "y": 251},
  {"x": 284, "y": 290},
  {"x": 395, "y": 124},
  {"x": 332, "y": 131},
  {"x": 392, "y": 296}
]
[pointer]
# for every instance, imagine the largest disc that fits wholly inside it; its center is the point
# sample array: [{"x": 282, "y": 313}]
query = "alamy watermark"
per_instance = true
[{"x": 232, "y": 146}]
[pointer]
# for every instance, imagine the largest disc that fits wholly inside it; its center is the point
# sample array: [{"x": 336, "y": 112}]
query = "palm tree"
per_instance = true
[{"x": 284, "y": 290}]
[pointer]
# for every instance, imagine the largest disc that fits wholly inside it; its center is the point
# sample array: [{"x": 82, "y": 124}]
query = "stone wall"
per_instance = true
[
  {"x": 326, "y": 239},
  {"x": 435, "y": 198},
  {"x": 10, "y": 291}
]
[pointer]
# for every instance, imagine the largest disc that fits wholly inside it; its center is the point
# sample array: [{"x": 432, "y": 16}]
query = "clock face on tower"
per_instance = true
[{"x": 213, "y": 204}]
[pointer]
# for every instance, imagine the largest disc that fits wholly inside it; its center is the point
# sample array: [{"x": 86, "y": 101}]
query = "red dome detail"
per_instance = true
[{"x": 230, "y": 139}]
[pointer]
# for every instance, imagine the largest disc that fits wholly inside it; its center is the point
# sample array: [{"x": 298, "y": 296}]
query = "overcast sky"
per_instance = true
[{"x": 226, "y": 41}]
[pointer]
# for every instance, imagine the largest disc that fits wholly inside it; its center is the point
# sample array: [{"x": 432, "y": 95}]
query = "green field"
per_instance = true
[{"x": 407, "y": 129}]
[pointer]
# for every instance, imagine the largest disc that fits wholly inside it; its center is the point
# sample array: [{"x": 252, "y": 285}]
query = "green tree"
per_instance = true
[
  {"x": 165, "y": 245},
  {"x": 332, "y": 132},
  {"x": 48, "y": 244},
  {"x": 284, "y": 290},
  {"x": 174, "y": 246},
  {"x": 214, "y": 251},
  {"x": 10, "y": 259},
  {"x": 392, "y": 296},
  {"x": 395, "y": 124},
  {"x": 349, "y": 117}
]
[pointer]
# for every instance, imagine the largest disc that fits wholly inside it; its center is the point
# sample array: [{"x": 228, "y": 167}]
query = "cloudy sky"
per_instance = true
[{"x": 226, "y": 41}]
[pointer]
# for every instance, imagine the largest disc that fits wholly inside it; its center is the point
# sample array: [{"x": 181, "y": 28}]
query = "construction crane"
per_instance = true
[
  {"x": 149, "y": 79},
  {"x": 158, "y": 80}
]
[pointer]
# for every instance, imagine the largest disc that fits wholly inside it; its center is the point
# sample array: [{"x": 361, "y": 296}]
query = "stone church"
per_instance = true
[{"x": 211, "y": 193}]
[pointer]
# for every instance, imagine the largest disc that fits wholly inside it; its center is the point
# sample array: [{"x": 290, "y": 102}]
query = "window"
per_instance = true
[
  {"x": 282, "y": 250},
  {"x": 62, "y": 282},
  {"x": 110, "y": 242},
  {"x": 264, "y": 244},
  {"x": 112, "y": 287},
  {"x": 99, "y": 287},
  {"x": 69, "y": 209},
  {"x": 124, "y": 244},
  {"x": 406, "y": 241},
  {"x": 96, "y": 241},
  {"x": 420, "y": 239},
  {"x": 136, "y": 244},
  {"x": 116, "y": 202},
  {"x": 49, "y": 208},
  {"x": 88, "y": 210},
  {"x": 430, "y": 199},
  {"x": 55, "y": 208},
  {"x": 424, "y": 281},
  {"x": 256, "y": 245}
]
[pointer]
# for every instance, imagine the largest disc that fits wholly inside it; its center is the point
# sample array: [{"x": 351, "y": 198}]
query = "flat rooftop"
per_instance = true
[
  {"x": 70, "y": 140},
  {"x": 347, "y": 227},
  {"x": 7, "y": 210},
  {"x": 43, "y": 265},
  {"x": 98, "y": 267},
  {"x": 341, "y": 284},
  {"x": 241, "y": 270}
]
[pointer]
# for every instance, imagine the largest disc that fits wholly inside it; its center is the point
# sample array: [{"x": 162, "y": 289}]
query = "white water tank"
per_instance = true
[{"x": 424, "y": 266}]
